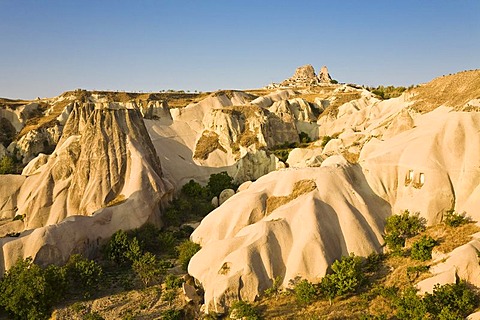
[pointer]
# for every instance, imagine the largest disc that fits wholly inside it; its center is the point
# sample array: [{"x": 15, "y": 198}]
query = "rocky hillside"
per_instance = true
[{"x": 322, "y": 166}]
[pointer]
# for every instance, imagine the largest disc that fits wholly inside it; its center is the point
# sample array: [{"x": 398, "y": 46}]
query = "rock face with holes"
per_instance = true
[
  {"x": 104, "y": 175},
  {"x": 288, "y": 223},
  {"x": 429, "y": 169},
  {"x": 306, "y": 76}
]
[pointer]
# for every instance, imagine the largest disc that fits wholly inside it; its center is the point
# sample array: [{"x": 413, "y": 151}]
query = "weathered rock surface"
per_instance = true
[
  {"x": 104, "y": 175},
  {"x": 306, "y": 76},
  {"x": 426, "y": 163},
  {"x": 247, "y": 244}
]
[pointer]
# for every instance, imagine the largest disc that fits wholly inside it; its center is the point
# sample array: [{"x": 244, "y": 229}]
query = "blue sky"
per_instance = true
[{"x": 48, "y": 47}]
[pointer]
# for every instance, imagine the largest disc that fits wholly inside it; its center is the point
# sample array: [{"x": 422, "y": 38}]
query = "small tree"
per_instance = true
[
  {"x": 194, "y": 190},
  {"x": 346, "y": 277},
  {"x": 305, "y": 292},
  {"x": 243, "y": 310},
  {"x": 28, "y": 292},
  {"x": 454, "y": 219},
  {"x": 455, "y": 298},
  {"x": 83, "y": 275},
  {"x": 147, "y": 268},
  {"x": 219, "y": 182},
  {"x": 186, "y": 250},
  {"x": 121, "y": 249},
  {"x": 422, "y": 249},
  {"x": 7, "y": 165},
  {"x": 400, "y": 227},
  {"x": 410, "y": 306}
]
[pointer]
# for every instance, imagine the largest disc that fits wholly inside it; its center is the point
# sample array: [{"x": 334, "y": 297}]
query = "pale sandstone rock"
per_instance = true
[
  {"x": 34, "y": 142},
  {"x": 244, "y": 186},
  {"x": 215, "y": 202},
  {"x": 103, "y": 155},
  {"x": 247, "y": 247},
  {"x": 225, "y": 195},
  {"x": 324, "y": 76},
  {"x": 443, "y": 278},
  {"x": 428, "y": 169},
  {"x": 9, "y": 188}
]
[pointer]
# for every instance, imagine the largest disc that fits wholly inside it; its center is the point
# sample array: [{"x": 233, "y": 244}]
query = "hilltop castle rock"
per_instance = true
[{"x": 305, "y": 76}]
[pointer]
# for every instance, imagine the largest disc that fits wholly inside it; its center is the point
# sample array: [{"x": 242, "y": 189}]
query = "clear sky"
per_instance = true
[{"x": 48, "y": 47}]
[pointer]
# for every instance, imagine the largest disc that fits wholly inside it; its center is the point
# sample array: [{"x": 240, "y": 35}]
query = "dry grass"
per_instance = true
[
  {"x": 299, "y": 188},
  {"x": 207, "y": 143},
  {"x": 451, "y": 90},
  {"x": 248, "y": 138},
  {"x": 449, "y": 238},
  {"x": 341, "y": 99},
  {"x": 119, "y": 199},
  {"x": 351, "y": 157}
]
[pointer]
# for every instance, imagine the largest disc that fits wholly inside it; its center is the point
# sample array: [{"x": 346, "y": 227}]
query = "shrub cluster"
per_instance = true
[
  {"x": 347, "y": 276},
  {"x": 387, "y": 92},
  {"x": 7, "y": 165},
  {"x": 194, "y": 201},
  {"x": 422, "y": 249},
  {"x": 243, "y": 310},
  {"x": 399, "y": 227},
  {"x": 454, "y": 219},
  {"x": 451, "y": 301},
  {"x": 28, "y": 291}
]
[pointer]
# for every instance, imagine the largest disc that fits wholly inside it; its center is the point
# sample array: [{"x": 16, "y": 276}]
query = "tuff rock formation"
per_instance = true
[
  {"x": 104, "y": 175},
  {"x": 306, "y": 76},
  {"x": 296, "y": 222}
]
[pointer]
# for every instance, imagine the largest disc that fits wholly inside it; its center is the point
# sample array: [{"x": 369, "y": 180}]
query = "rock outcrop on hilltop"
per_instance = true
[
  {"x": 306, "y": 76},
  {"x": 104, "y": 175}
]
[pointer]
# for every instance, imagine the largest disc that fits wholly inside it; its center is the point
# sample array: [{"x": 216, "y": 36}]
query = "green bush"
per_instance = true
[
  {"x": 186, "y": 250},
  {"x": 166, "y": 242},
  {"x": 387, "y": 92},
  {"x": 83, "y": 275},
  {"x": 399, "y": 227},
  {"x": 93, "y": 316},
  {"x": 422, "y": 249},
  {"x": 346, "y": 277},
  {"x": 305, "y": 292},
  {"x": 172, "y": 282},
  {"x": 147, "y": 236},
  {"x": 172, "y": 314},
  {"x": 219, "y": 182},
  {"x": 451, "y": 301},
  {"x": 243, "y": 310},
  {"x": 147, "y": 268},
  {"x": 275, "y": 288},
  {"x": 7, "y": 165},
  {"x": 29, "y": 292},
  {"x": 325, "y": 140},
  {"x": 122, "y": 249},
  {"x": 193, "y": 189},
  {"x": 454, "y": 219},
  {"x": 456, "y": 298},
  {"x": 410, "y": 306}
]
